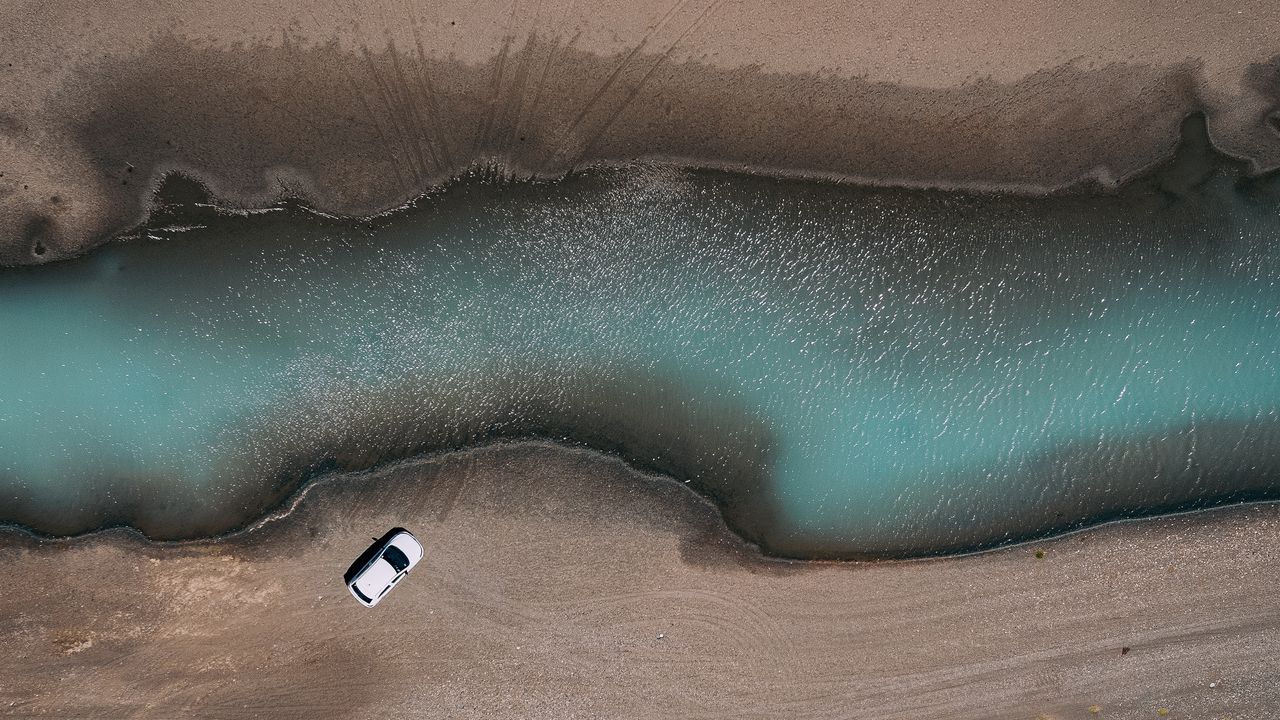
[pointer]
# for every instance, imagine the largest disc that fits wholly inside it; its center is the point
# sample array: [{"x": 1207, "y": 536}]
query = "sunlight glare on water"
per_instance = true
[{"x": 853, "y": 372}]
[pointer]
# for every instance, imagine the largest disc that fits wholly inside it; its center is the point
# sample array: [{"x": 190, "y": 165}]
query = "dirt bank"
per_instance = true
[
  {"x": 358, "y": 108},
  {"x": 560, "y": 584}
]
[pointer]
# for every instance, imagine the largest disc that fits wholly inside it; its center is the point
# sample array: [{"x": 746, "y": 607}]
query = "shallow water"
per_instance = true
[{"x": 849, "y": 372}]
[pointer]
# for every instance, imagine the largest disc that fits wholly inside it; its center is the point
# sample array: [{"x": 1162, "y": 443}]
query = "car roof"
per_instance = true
[{"x": 375, "y": 578}]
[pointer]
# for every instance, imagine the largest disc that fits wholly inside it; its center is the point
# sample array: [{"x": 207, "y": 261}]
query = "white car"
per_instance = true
[{"x": 384, "y": 564}]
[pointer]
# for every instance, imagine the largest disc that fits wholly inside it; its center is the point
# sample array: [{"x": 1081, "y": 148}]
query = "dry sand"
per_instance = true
[
  {"x": 358, "y": 107},
  {"x": 560, "y": 584}
]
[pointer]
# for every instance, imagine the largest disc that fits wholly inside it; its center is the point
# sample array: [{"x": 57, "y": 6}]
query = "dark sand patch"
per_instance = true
[
  {"x": 357, "y": 112},
  {"x": 561, "y": 584}
]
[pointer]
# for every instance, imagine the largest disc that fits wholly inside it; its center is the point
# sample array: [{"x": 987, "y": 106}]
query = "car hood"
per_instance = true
[{"x": 375, "y": 578}]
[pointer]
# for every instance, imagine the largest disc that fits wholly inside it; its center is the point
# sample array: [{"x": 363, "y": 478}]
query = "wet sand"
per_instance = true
[
  {"x": 559, "y": 583},
  {"x": 357, "y": 109}
]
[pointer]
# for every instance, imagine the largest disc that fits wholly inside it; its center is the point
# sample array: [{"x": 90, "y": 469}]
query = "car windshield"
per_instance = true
[{"x": 398, "y": 559}]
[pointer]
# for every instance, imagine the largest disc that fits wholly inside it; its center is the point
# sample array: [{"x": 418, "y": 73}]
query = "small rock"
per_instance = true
[{"x": 662, "y": 636}]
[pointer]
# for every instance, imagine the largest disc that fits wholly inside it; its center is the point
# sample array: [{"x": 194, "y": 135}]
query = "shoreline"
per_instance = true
[
  {"x": 282, "y": 512},
  {"x": 1192, "y": 142},
  {"x": 355, "y": 119},
  {"x": 652, "y": 589}
]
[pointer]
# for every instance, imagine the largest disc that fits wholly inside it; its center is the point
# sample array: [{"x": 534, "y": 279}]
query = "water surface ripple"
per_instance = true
[{"x": 849, "y": 372}]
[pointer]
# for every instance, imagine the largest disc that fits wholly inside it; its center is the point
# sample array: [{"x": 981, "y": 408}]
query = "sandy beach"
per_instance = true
[
  {"x": 358, "y": 109},
  {"x": 558, "y": 583}
]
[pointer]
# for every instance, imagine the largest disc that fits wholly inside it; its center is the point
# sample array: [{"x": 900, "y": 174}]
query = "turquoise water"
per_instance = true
[{"x": 848, "y": 372}]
